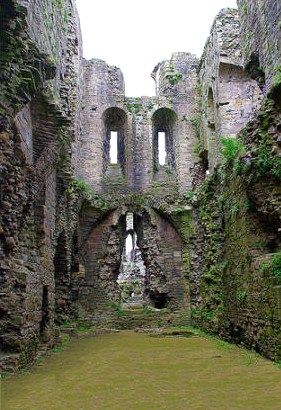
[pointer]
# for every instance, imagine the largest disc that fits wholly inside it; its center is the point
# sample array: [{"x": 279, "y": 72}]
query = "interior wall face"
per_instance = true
[
  {"x": 260, "y": 36},
  {"x": 102, "y": 94},
  {"x": 236, "y": 96},
  {"x": 39, "y": 103},
  {"x": 101, "y": 254},
  {"x": 239, "y": 99},
  {"x": 23, "y": 124}
]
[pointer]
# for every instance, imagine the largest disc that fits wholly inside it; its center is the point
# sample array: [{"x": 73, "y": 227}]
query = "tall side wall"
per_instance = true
[
  {"x": 261, "y": 38},
  {"x": 237, "y": 209},
  {"x": 39, "y": 110}
]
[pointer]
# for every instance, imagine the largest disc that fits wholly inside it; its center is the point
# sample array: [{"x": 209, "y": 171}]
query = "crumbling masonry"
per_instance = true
[{"x": 207, "y": 221}]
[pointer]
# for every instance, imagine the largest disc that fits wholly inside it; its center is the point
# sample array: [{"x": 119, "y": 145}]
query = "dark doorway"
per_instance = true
[{"x": 159, "y": 300}]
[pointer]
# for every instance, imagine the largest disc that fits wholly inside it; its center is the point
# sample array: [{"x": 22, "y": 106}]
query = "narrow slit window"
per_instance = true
[
  {"x": 162, "y": 148},
  {"x": 113, "y": 147}
]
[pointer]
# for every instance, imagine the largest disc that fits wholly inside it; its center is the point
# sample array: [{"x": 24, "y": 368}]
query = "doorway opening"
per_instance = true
[
  {"x": 131, "y": 278},
  {"x": 159, "y": 300}
]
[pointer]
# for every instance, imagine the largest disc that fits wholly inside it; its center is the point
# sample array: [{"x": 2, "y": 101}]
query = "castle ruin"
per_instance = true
[{"x": 205, "y": 221}]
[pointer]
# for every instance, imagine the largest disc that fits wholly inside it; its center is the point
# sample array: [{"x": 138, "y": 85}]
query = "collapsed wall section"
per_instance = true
[{"x": 229, "y": 96}]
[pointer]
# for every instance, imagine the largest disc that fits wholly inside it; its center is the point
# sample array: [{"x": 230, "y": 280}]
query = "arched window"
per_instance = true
[
  {"x": 163, "y": 122},
  {"x": 115, "y": 124}
]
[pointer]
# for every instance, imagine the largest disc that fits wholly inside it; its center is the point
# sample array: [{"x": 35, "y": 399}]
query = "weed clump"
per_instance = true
[
  {"x": 273, "y": 267},
  {"x": 232, "y": 148}
]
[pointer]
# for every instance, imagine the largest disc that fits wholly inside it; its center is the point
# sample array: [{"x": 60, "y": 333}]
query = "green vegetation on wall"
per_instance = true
[
  {"x": 237, "y": 205},
  {"x": 208, "y": 314},
  {"x": 273, "y": 267},
  {"x": 277, "y": 77},
  {"x": 231, "y": 148},
  {"x": 172, "y": 75}
]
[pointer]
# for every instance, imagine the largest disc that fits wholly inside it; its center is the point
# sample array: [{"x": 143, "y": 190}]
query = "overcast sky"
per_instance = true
[{"x": 136, "y": 35}]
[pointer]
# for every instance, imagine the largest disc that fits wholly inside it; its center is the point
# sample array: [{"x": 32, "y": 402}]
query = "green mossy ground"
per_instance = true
[{"x": 133, "y": 370}]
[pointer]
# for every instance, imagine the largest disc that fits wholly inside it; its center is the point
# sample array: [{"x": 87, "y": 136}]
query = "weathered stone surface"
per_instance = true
[
  {"x": 64, "y": 204},
  {"x": 35, "y": 111},
  {"x": 104, "y": 101},
  {"x": 261, "y": 38},
  {"x": 229, "y": 96}
]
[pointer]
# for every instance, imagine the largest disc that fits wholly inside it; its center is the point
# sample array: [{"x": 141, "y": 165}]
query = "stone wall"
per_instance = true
[
  {"x": 102, "y": 238},
  {"x": 237, "y": 209},
  {"x": 261, "y": 39},
  {"x": 229, "y": 96},
  {"x": 137, "y": 183},
  {"x": 137, "y": 120},
  {"x": 208, "y": 242},
  {"x": 39, "y": 118},
  {"x": 237, "y": 218},
  {"x": 177, "y": 81}
]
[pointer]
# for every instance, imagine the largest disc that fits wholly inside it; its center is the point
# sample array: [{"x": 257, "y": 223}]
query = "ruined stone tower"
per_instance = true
[{"x": 205, "y": 220}]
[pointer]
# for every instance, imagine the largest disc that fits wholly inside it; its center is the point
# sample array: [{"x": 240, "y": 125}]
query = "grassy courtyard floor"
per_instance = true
[{"x": 129, "y": 370}]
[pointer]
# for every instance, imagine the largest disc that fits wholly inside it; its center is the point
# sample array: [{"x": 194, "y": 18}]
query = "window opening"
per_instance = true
[
  {"x": 162, "y": 154},
  {"x": 163, "y": 128},
  {"x": 113, "y": 147}
]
